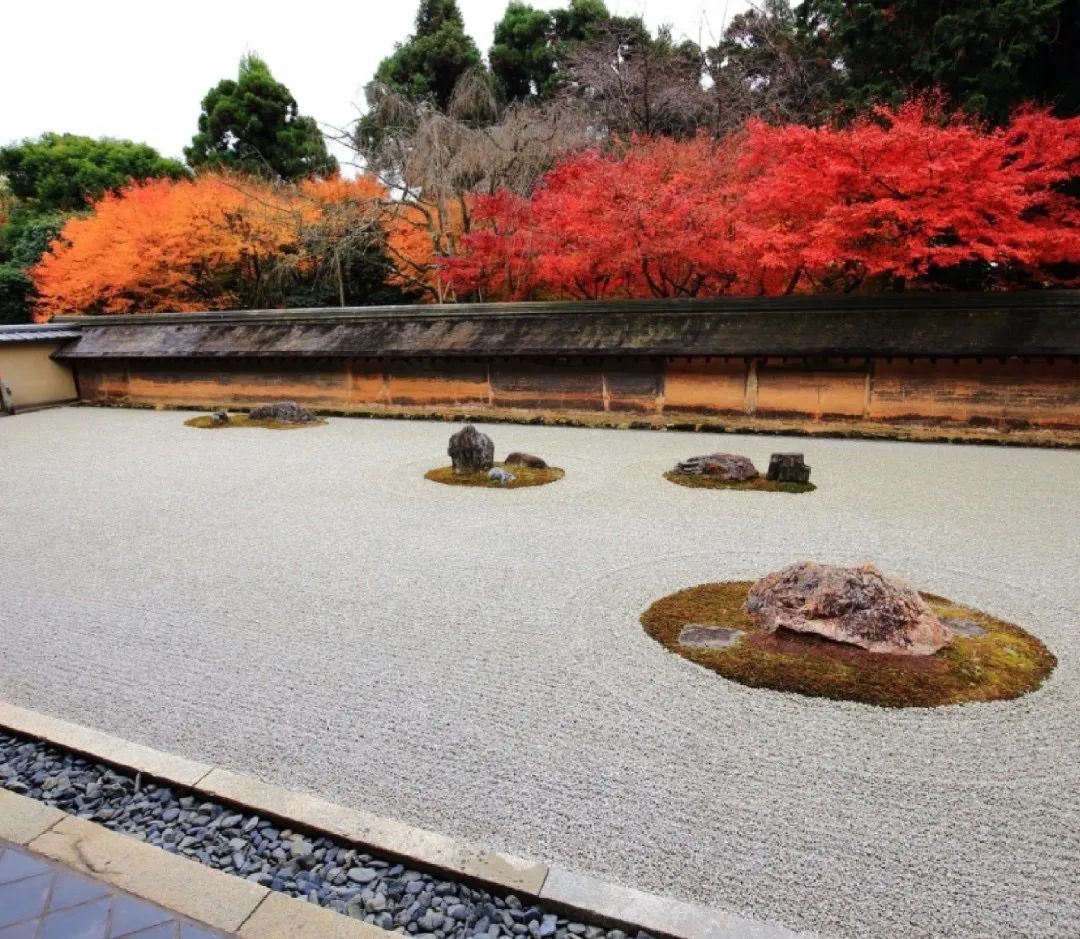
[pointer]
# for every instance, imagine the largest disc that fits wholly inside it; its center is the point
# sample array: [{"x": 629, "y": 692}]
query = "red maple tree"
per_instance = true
[{"x": 898, "y": 196}]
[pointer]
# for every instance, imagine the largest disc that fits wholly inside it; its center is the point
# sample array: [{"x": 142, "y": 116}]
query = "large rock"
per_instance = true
[
  {"x": 857, "y": 605},
  {"x": 289, "y": 412},
  {"x": 525, "y": 459},
  {"x": 726, "y": 466},
  {"x": 788, "y": 468},
  {"x": 471, "y": 451}
]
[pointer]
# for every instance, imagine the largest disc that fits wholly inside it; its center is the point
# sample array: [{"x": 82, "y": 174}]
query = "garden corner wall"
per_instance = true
[
  {"x": 1002, "y": 363},
  {"x": 30, "y": 374}
]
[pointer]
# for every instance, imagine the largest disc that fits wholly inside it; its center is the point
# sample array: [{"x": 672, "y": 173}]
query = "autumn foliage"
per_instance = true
[
  {"x": 900, "y": 196},
  {"x": 210, "y": 243}
]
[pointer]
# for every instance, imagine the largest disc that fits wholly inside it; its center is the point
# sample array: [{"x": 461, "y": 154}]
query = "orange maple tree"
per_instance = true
[
  {"x": 899, "y": 196},
  {"x": 210, "y": 243},
  {"x": 420, "y": 236}
]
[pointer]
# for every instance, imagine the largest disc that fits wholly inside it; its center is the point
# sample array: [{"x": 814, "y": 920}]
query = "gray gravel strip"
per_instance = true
[
  {"x": 379, "y": 891},
  {"x": 306, "y": 608}
]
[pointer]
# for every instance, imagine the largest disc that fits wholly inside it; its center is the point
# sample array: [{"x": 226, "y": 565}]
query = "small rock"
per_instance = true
[
  {"x": 788, "y": 468},
  {"x": 964, "y": 627},
  {"x": 288, "y": 412},
  {"x": 727, "y": 466},
  {"x": 362, "y": 875},
  {"x": 501, "y": 476},
  {"x": 471, "y": 451},
  {"x": 525, "y": 459},
  {"x": 708, "y": 637}
]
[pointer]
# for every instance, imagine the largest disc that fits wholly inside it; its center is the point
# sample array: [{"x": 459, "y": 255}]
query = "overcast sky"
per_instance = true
[{"x": 121, "y": 68}]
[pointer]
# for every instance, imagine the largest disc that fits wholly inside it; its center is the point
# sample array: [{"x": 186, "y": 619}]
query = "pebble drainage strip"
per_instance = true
[{"x": 319, "y": 869}]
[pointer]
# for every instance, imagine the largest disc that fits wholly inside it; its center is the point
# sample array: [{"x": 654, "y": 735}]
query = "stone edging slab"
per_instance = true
[{"x": 220, "y": 897}]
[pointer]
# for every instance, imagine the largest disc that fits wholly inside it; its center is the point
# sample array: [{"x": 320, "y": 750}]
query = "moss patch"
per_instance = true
[
  {"x": 1005, "y": 663},
  {"x": 242, "y": 420},
  {"x": 759, "y": 484},
  {"x": 524, "y": 476}
]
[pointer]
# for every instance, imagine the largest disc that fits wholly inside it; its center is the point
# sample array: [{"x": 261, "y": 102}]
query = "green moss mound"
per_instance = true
[
  {"x": 759, "y": 484},
  {"x": 207, "y": 422},
  {"x": 1005, "y": 663},
  {"x": 524, "y": 476}
]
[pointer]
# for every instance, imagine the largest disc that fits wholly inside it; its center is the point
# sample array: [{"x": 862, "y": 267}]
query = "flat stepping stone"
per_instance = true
[
  {"x": 964, "y": 627},
  {"x": 697, "y": 636}
]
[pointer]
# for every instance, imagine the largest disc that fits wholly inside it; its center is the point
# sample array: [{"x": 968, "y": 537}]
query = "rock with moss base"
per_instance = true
[
  {"x": 471, "y": 451},
  {"x": 730, "y": 467},
  {"x": 856, "y": 605},
  {"x": 220, "y": 418},
  {"x": 288, "y": 412}
]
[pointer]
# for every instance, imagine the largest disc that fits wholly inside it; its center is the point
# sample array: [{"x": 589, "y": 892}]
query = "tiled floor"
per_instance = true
[{"x": 40, "y": 899}]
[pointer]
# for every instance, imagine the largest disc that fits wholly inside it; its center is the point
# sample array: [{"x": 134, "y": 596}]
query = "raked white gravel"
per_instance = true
[{"x": 305, "y": 607}]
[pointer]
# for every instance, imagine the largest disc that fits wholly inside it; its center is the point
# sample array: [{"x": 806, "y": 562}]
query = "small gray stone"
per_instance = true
[
  {"x": 696, "y": 636},
  {"x": 964, "y": 627},
  {"x": 362, "y": 875}
]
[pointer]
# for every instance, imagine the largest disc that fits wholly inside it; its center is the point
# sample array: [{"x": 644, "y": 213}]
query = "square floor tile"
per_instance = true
[
  {"x": 24, "y": 899},
  {"x": 16, "y": 866},
  {"x": 131, "y": 915},
  {"x": 164, "y": 931},
  {"x": 187, "y": 931},
  {"x": 71, "y": 891},
  {"x": 89, "y": 921}
]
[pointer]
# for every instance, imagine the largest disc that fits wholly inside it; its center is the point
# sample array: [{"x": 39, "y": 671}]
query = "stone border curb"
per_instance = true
[{"x": 140, "y": 867}]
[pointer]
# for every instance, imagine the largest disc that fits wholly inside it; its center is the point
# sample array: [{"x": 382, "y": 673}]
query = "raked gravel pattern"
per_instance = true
[
  {"x": 304, "y": 607},
  {"x": 318, "y": 869}
]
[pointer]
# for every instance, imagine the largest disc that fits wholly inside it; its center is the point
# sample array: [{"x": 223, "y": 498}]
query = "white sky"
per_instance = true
[{"x": 120, "y": 68}]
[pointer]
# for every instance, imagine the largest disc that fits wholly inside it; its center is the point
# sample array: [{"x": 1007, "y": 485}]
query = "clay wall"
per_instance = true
[
  {"x": 1042, "y": 392},
  {"x": 33, "y": 377}
]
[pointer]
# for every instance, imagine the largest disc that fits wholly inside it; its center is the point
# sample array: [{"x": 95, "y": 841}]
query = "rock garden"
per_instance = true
[
  {"x": 472, "y": 456},
  {"x": 851, "y": 634},
  {"x": 281, "y": 415},
  {"x": 787, "y": 472}
]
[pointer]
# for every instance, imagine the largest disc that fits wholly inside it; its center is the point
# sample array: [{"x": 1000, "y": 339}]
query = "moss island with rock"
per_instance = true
[
  {"x": 812, "y": 630},
  {"x": 787, "y": 473},
  {"x": 281, "y": 415},
  {"x": 472, "y": 454}
]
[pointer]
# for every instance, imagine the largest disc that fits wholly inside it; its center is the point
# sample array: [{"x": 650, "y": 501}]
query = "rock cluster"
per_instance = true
[
  {"x": 726, "y": 466},
  {"x": 525, "y": 459},
  {"x": 471, "y": 451},
  {"x": 289, "y": 412},
  {"x": 788, "y": 468},
  {"x": 857, "y": 605},
  {"x": 323, "y": 871}
]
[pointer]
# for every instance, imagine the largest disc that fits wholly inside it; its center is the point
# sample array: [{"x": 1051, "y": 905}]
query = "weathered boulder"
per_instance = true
[
  {"x": 525, "y": 459},
  {"x": 288, "y": 412},
  {"x": 501, "y": 476},
  {"x": 727, "y": 466},
  {"x": 471, "y": 451},
  {"x": 788, "y": 468},
  {"x": 857, "y": 605}
]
